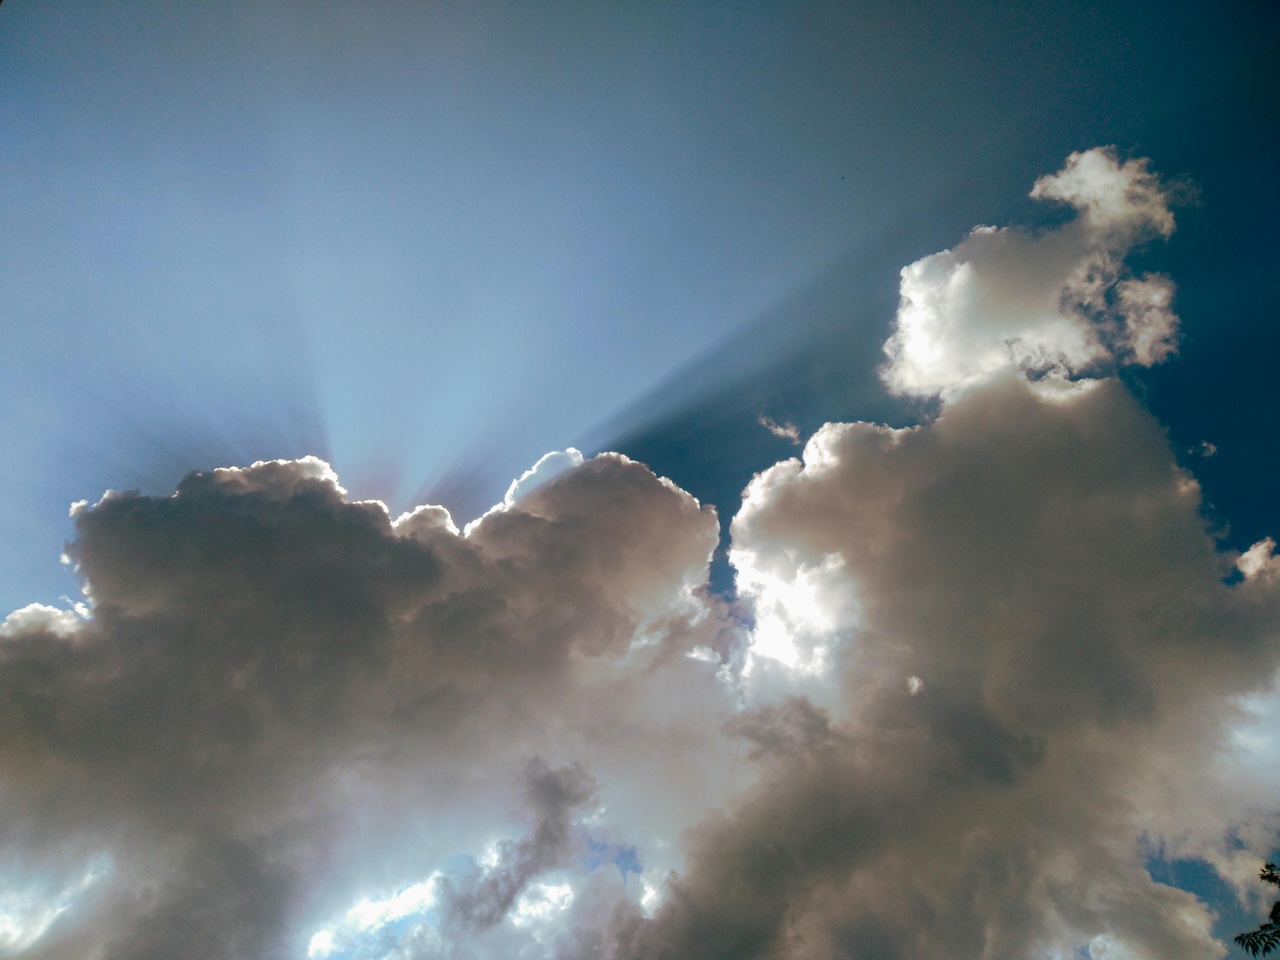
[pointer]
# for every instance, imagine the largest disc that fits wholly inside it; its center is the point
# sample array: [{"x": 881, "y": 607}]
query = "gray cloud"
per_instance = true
[
  {"x": 1014, "y": 655},
  {"x": 482, "y": 899},
  {"x": 267, "y": 664},
  {"x": 1044, "y": 570}
]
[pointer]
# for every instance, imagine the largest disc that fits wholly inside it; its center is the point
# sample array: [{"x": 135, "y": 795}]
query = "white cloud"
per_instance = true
[
  {"x": 321, "y": 944},
  {"x": 549, "y": 466},
  {"x": 1043, "y": 671},
  {"x": 415, "y": 898},
  {"x": 541, "y": 902},
  {"x": 40, "y": 618},
  {"x": 1044, "y": 567},
  {"x": 1052, "y": 306},
  {"x": 1259, "y": 560},
  {"x": 363, "y": 921},
  {"x": 1123, "y": 199}
]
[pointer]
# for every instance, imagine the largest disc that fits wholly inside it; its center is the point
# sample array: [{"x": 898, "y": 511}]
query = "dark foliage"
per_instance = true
[{"x": 1266, "y": 938}]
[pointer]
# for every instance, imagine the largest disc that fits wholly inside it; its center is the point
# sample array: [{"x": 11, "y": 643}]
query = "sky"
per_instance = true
[{"x": 568, "y": 481}]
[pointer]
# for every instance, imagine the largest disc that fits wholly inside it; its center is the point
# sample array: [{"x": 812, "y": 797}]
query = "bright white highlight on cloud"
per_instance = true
[
  {"x": 977, "y": 672},
  {"x": 39, "y": 617},
  {"x": 541, "y": 902},
  {"x": 322, "y": 943},
  {"x": 549, "y": 466},
  {"x": 278, "y": 478},
  {"x": 27, "y": 912},
  {"x": 650, "y": 898},
  {"x": 1053, "y": 306},
  {"x": 368, "y": 916},
  {"x": 1259, "y": 560},
  {"x": 797, "y": 608},
  {"x": 371, "y": 914}
]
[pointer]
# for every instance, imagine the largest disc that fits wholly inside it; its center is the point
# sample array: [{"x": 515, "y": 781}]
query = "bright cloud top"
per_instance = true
[
  {"x": 1054, "y": 305},
  {"x": 979, "y": 670}
]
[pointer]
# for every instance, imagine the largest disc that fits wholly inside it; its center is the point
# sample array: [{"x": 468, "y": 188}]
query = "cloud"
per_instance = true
[
  {"x": 276, "y": 684},
  {"x": 481, "y": 900},
  {"x": 548, "y": 467},
  {"x": 979, "y": 671},
  {"x": 1043, "y": 571},
  {"x": 1014, "y": 664},
  {"x": 41, "y": 618},
  {"x": 783, "y": 431},
  {"x": 1055, "y": 306}
]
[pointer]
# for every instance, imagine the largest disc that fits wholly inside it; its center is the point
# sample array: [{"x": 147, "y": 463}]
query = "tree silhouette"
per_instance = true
[{"x": 1266, "y": 938}]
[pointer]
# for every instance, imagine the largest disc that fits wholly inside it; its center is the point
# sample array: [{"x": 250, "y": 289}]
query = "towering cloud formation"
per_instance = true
[
  {"x": 1019, "y": 626},
  {"x": 981, "y": 670}
]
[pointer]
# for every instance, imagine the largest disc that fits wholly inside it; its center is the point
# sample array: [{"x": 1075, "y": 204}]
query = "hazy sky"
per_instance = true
[{"x": 952, "y": 633}]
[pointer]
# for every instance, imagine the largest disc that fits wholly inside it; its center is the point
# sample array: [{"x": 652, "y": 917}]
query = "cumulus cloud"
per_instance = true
[
  {"x": 980, "y": 671},
  {"x": 548, "y": 467},
  {"x": 41, "y": 618},
  {"x": 1015, "y": 665},
  {"x": 283, "y": 700},
  {"x": 1039, "y": 575},
  {"x": 1056, "y": 305}
]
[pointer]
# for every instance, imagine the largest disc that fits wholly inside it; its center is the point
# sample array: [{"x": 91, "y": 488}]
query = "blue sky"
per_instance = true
[
  {"x": 432, "y": 243},
  {"x": 429, "y": 243}
]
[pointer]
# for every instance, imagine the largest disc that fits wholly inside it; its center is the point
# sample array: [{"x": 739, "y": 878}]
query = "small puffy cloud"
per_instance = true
[
  {"x": 1259, "y": 560},
  {"x": 1114, "y": 198},
  {"x": 1150, "y": 331},
  {"x": 541, "y": 902},
  {"x": 37, "y": 618},
  {"x": 423, "y": 521},
  {"x": 548, "y": 467},
  {"x": 1053, "y": 306}
]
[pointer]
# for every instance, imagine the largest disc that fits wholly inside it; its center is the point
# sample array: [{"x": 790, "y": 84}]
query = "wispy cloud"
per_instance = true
[{"x": 783, "y": 431}]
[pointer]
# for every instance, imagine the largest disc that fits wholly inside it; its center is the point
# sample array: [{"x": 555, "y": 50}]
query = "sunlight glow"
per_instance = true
[
  {"x": 540, "y": 902},
  {"x": 650, "y": 899},
  {"x": 798, "y": 611},
  {"x": 370, "y": 915},
  {"x": 322, "y": 944},
  {"x": 418, "y": 898},
  {"x": 26, "y": 914}
]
